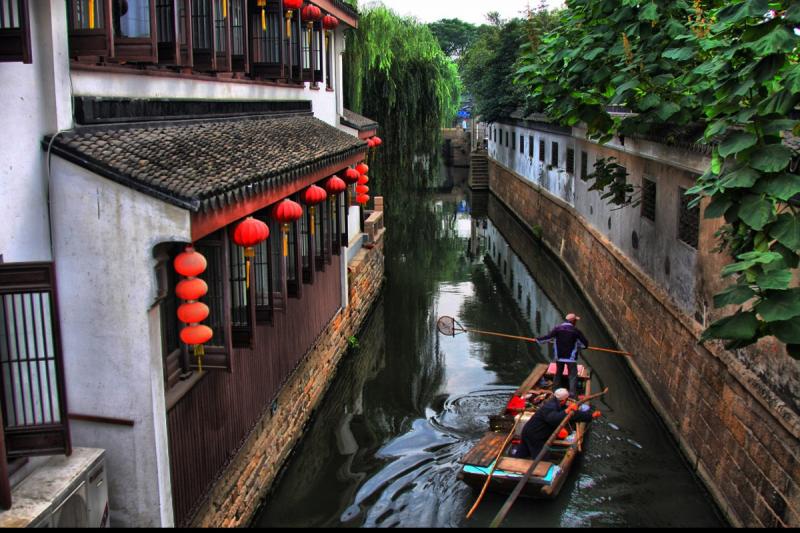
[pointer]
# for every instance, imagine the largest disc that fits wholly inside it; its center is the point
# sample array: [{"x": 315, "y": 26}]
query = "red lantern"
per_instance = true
[
  {"x": 370, "y": 143},
  {"x": 314, "y": 195},
  {"x": 329, "y": 22},
  {"x": 363, "y": 179},
  {"x": 289, "y": 5},
  {"x": 196, "y": 335},
  {"x": 248, "y": 234},
  {"x": 292, "y": 4},
  {"x": 362, "y": 168},
  {"x": 193, "y": 312},
  {"x": 286, "y": 212},
  {"x": 190, "y": 263},
  {"x": 362, "y": 189},
  {"x": 310, "y": 13},
  {"x": 377, "y": 140},
  {"x": 362, "y": 198},
  {"x": 351, "y": 175},
  {"x": 191, "y": 289},
  {"x": 335, "y": 185}
]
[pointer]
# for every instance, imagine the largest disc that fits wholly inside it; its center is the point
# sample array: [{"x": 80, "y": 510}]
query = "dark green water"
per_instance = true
[{"x": 383, "y": 449}]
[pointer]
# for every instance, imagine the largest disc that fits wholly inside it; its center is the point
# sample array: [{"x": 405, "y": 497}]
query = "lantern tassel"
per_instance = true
[
  {"x": 248, "y": 253},
  {"x": 91, "y": 14},
  {"x": 313, "y": 225},
  {"x": 289, "y": 24},
  {"x": 285, "y": 240},
  {"x": 199, "y": 352},
  {"x": 263, "y": 19},
  {"x": 224, "y": 9}
]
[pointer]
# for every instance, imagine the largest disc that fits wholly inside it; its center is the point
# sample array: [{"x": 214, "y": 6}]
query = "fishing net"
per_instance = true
[{"x": 447, "y": 326}]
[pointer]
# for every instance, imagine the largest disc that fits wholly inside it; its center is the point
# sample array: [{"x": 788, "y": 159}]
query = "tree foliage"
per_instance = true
[
  {"x": 399, "y": 76},
  {"x": 724, "y": 70},
  {"x": 454, "y": 35}
]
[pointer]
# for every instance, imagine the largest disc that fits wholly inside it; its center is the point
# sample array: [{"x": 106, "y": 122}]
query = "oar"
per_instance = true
[
  {"x": 494, "y": 466},
  {"x": 448, "y": 326},
  {"x": 522, "y": 482}
]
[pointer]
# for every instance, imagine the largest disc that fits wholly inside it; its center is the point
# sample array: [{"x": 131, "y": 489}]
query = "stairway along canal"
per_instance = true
[{"x": 383, "y": 448}]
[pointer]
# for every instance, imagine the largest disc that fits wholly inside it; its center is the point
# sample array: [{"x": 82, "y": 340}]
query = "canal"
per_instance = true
[{"x": 407, "y": 403}]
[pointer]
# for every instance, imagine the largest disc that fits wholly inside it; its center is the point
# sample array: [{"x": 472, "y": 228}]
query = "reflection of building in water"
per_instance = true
[{"x": 539, "y": 310}]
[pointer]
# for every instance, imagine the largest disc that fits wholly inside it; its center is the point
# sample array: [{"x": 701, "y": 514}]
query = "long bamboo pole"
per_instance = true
[
  {"x": 524, "y": 480},
  {"x": 531, "y": 339},
  {"x": 494, "y": 466}
]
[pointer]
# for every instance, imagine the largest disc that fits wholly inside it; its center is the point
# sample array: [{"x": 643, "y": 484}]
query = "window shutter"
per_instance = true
[
  {"x": 219, "y": 349},
  {"x": 90, "y": 35},
  {"x": 15, "y": 34},
  {"x": 33, "y": 399}
]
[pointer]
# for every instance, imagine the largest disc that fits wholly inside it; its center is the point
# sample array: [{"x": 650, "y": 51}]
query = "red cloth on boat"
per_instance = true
[{"x": 515, "y": 405}]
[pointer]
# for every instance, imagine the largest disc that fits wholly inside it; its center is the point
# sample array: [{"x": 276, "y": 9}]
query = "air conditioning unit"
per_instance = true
[{"x": 63, "y": 492}]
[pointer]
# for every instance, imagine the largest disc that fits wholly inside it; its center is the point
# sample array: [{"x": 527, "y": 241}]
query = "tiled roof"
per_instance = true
[
  {"x": 206, "y": 164},
  {"x": 354, "y": 120}
]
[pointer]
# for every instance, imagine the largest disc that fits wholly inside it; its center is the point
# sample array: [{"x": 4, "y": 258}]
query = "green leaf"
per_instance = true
[
  {"x": 762, "y": 258},
  {"x": 793, "y": 14},
  {"x": 775, "y": 127},
  {"x": 744, "y": 177},
  {"x": 741, "y": 326},
  {"x": 737, "y": 142},
  {"x": 755, "y": 211},
  {"x": 787, "y": 331},
  {"x": 780, "y": 103},
  {"x": 717, "y": 207},
  {"x": 716, "y": 162},
  {"x": 592, "y": 54},
  {"x": 771, "y": 158},
  {"x": 779, "y": 305},
  {"x": 649, "y": 12},
  {"x": 678, "y": 54},
  {"x": 778, "y": 41},
  {"x": 783, "y": 186},
  {"x": 776, "y": 279},
  {"x": 715, "y": 128},
  {"x": 733, "y": 295},
  {"x": 787, "y": 231},
  {"x": 666, "y": 110},
  {"x": 649, "y": 101}
]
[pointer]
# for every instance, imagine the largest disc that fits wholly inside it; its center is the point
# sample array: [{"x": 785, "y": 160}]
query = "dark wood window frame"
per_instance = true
[
  {"x": 570, "y": 161},
  {"x": 649, "y": 198},
  {"x": 541, "y": 150},
  {"x": 242, "y": 298},
  {"x": 584, "y": 164},
  {"x": 521, "y": 144},
  {"x": 513, "y": 140},
  {"x": 554, "y": 154},
  {"x": 31, "y": 363},
  {"x": 688, "y": 220},
  {"x": 530, "y": 146},
  {"x": 15, "y": 35}
]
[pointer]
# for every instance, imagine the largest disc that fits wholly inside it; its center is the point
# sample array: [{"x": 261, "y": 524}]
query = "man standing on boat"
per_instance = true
[
  {"x": 539, "y": 428},
  {"x": 568, "y": 342}
]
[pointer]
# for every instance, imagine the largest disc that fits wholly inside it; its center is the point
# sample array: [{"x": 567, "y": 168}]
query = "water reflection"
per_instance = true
[{"x": 383, "y": 448}]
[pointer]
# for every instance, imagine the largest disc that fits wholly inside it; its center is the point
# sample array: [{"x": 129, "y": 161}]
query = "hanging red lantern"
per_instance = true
[
  {"x": 310, "y": 13},
  {"x": 249, "y": 233},
  {"x": 362, "y": 189},
  {"x": 196, "y": 335},
  {"x": 363, "y": 179},
  {"x": 377, "y": 140},
  {"x": 314, "y": 195},
  {"x": 335, "y": 185},
  {"x": 192, "y": 313},
  {"x": 351, "y": 175},
  {"x": 289, "y": 5},
  {"x": 286, "y": 212},
  {"x": 191, "y": 289},
  {"x": 292, "y": 4},
  {"x": 362, "y": 168},
  {"x": 362, "y": 198},
  {"x": 329, "y": 22},
  {"x": 189, "y": 263},
  {"x": 370, "y": 143}
]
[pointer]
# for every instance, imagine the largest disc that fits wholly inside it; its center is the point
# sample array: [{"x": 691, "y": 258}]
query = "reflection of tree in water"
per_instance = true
[{"x": 491, "y": 308}]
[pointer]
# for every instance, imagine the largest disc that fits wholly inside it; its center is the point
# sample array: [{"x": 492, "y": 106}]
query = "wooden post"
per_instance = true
[{"x": 5, "y": 484}]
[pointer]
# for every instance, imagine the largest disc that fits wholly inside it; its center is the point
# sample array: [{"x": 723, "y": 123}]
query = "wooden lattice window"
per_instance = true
[
  {"x": 307, "y": 247},
  {"x": 541, "y": 150},
  {"x": 530, "y": 146},
  {"x": 15, "y": 34},
  {"x": 513, "y": 141},
  {"x": 554, "y": 154},
  {"x": 688, "y": 220},
  {"x": 584, "y": 164},
  {"x": 649, "y": 199},
  {"x": 31, "y": 363},
  {"x": 243, "y": 304},
  {"x": 266, "y": 274},
  {"x": 570, "y": 162},
  {"x": 521, "y": 143}
]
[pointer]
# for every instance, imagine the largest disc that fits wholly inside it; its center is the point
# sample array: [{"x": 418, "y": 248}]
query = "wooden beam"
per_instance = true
[{"x": 333, "y": 9}]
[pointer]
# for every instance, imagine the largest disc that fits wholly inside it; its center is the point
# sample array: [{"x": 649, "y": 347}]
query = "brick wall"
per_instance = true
[
  {"x": 237, "y": 494},
  {"x": 742, "y": 439}
]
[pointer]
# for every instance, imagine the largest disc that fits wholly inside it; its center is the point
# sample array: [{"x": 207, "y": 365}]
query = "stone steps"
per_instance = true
[{"x": 479, "y": 171}]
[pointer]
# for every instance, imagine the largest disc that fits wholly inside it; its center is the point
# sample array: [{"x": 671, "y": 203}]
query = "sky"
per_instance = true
[{"x": 469, "y": 11}]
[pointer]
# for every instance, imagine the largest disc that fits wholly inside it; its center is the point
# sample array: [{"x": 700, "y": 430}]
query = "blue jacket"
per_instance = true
[{"x": 568, "y": 342}]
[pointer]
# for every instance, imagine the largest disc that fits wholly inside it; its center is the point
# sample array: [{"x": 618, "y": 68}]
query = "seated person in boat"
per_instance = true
[
  {"x": 539, "y": 428},
  {"x": 568, "y": 341}
]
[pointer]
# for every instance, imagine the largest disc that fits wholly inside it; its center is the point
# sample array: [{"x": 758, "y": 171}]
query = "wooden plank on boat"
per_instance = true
[
  {"x": 532, "y": 380},
  {"x": 487, "y": 449},
  {"x": 512, "y": 464}
]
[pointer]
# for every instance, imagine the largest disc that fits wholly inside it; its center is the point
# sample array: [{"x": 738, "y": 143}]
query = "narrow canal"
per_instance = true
[{"x": 407, "y": 403}]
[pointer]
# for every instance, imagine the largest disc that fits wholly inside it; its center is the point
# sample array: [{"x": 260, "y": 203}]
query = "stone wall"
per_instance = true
[
  {"x": 237, "y": 494},
  {"x": 741, "y": 438},
  {"x": 457, "y": 146}
]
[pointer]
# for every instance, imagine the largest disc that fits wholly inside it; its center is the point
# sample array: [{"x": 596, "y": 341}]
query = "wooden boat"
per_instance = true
[{"x": 550, "y": 474}]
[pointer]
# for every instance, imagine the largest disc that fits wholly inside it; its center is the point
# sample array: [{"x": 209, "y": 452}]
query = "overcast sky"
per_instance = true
[{"x": 470, "y": 11}]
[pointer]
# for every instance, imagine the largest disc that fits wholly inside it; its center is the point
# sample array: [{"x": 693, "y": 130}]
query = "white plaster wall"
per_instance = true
[
  {"x": 35, "y": 100},
  {"x": 660, "y": 254},
  {"x": 104, "y": 235}
]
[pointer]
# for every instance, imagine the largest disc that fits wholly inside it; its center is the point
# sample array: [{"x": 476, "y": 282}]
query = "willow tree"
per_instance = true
[{"x": 398, "y": 75}]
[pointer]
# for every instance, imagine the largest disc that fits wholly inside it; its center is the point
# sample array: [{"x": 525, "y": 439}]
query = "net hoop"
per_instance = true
[{"x": 448, "y": 325}]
